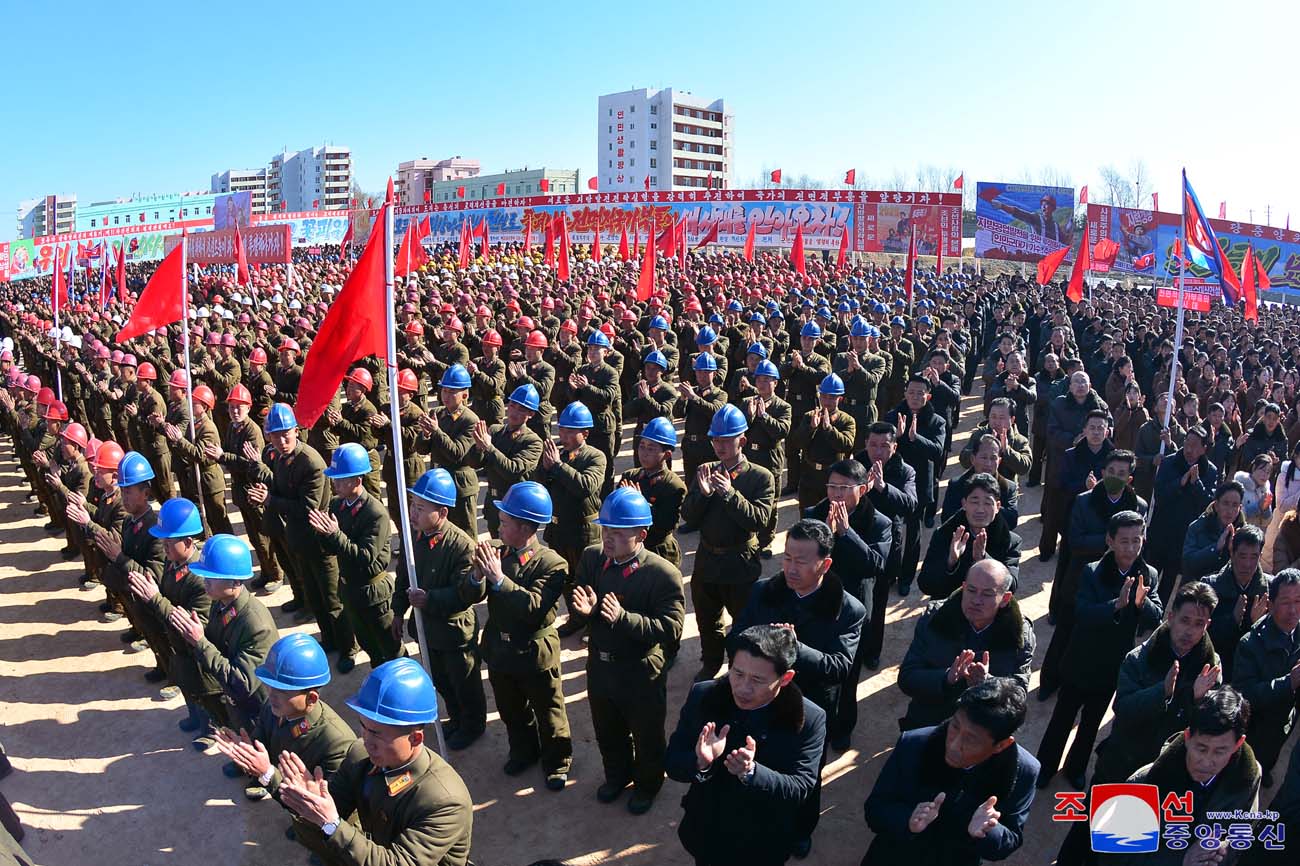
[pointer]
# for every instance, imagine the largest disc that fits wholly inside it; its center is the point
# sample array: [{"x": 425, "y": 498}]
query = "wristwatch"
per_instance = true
[{"x": 329, "y": 827}]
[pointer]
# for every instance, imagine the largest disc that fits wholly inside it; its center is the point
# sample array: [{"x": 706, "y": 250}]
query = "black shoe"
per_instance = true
[
  {"x": 105, "y": 607},
  {"x": 802, "y": 848},
  {"x": 515, "y": 766},
  {"x": 556, "y": 781},
  {"x": 51, "y": 527},
  {"x": 1044, "y": 780},
  {"x": 789, "y": 490},
  {"x": 872, "y": 664},
  {"x": 155, "y": 676},
  {"x": 1078, "y": 781},
  {"x": 707, "y": 672},
  {"x": 842, "y": 742},
  {"x": 929, "y": 524},
  {"x": 572, "y": 626},
  {"x": 290, "y": 606},
  {"x": 69, "y": 553},
  {"x": 130, "y": 635},
  {"x": 1046, "y": 555},
  {"x": 904, "y": 588},
  {"x": 610, "y": 791},
  {"x": 345, "y": 664},
  {"x": 640, "y": 803},
  {"x": 463, "y": 739},
  {"x": 189, "y": 724},
  {"x": 1045, "y": 692}
]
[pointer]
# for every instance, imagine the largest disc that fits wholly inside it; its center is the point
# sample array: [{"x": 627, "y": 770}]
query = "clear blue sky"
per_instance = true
[{"x": 151, "y": 97}]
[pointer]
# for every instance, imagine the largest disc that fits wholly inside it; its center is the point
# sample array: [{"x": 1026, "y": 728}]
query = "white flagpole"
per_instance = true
[
  {"x": 399, "y": 470},
  {"x": 189, "y": 374},
  {"x": 54, "y": 303}
]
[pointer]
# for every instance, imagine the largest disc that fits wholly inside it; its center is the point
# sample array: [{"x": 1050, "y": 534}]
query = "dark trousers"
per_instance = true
[
  {"x": 268, "y": 564},
  {"x": 1053, "y": 517},
  {"x": 873, "y": 632},
  {"x": 457, "y": 678},
  {"x": 369, "y": 610},
  {"x": 1038, "y": 446},
  {"x": 320, "y": 583},
  {"x": 710, "y": 600},
  {"x": 1069, "y": 703},
  {"x": 283, "y": 555},
  {"x": 628, "y": 711},
  {"x": 1050, "y": 676},
  {"x": 531, "y": 706},
  {"x": 911, "y": 550}
]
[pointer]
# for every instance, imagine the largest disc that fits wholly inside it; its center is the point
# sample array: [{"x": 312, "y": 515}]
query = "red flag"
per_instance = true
[
  {"x": 1145, "y": 263},
  {"x": 241, "y": 260},
  {"x": 749, "y": 243},
  {"x": 909, "y": 276},
  {"x": 355, "y": 327},
  {"x": 460, "y": 192},
  {"x": 681, "y": 241},
  {"x": 776, "y": 176},
  {"x": 708, "y": 181},
  {"x": 595, "y": 246},
  {"x": 315, "y": 202},
  {"x": 528, "y": 236},
  {"x": 1155, "y": 201},
  {"x": 284, "y": 205},
  {"x": 645, "y": 284},
  {"x": 121, "y": 272},
  {"x": 410, "y": 255},
  {"x": 796, "y": 252},
  {"x": 710, "y": 237},
  {"x": 422, "y": 229},
  {"x": 593, "y": 184},
  {"x": 550, "y": 242},
  {"x": 622, "y": 243},
  {"x": 850, "y": 177},
  {"x": 1223, "y": 211},
  {"x": 346, "y": 244},
  {"x": 1262, "y": 282},
  {"x": 842, "y": 256},
  {"x": 960, "y": 182},
  {"x": 1083, "y": 194},
  {"x": 667, "y": 243},
  {"x": 1248, "y": 285},
  {"x": 465, "y": 255},
  {"x": 1103, "y": 254},
  {"x": 544, "y": 185},
  {"x": 59, "y": 291},
  {"x": 1049, "y": 263},
  {"x": 501, "y": 189},
  {"x": 428, "y": 196},
  {"x": 647, "y": 181},
  {"x": 162, "y": 301},
  {"x": 1074, "y": 291},
  {"x": 477, "y": 231},
  {"x": 563, "y": 231},
  {"x": 485, "y": 246},
  {"x": 636, "y": 242}
]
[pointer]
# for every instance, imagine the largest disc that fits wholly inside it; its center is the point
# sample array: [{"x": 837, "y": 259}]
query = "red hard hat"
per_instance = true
[
  {"x": 108, "y": 456},
  {"x": 288, "y": 344},
  {"x": 483, "y": 311},
  {"x": 570, "y": 326},
  {"x": 415, "y": 328},
  {"x": 56, "y": 411},
  {"x": 446, "y": 309},
  {"x": 491, "y": 338},
  {"x": 408, "y": 381},
  {"x": 101, "y": 352},
  {"x": 214, "y": 339},
  {"x": 146, "y": 371},
  {"x": 179, "y": 379},
  {"x": 257, "y": 356},
  {"x": 32, "y": 384},
  {"x": 92, "y": 446},
  {"x": 524, "y": 323},
  {"x": 117, "y": 356},
  {"x": 607, "y": 329},
  {"x": 239, "y": 394},
  {"x": 45, "y": 396},
  {"x": 536, "y": 340},
  {"x": 128, "y": 360},
  {"x": 77, "y": 435},
  {"x": 362, "y": 377},
  {"x": 228, "y": 340},
  {"x": 244, "y": 318},
  {"x": 628, "y": 316},
  {"x": 548, "y": 303},
  {"x": 453, "y": 324},
  {"x": 203, "y": 394}
]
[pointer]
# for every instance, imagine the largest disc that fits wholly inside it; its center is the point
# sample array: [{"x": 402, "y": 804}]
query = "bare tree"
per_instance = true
[
  {"x": 1117, "y": 190},
  {"x": 1141, "y": 179}
]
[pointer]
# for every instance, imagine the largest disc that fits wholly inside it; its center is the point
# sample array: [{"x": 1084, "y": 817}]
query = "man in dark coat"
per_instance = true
[
  {"x": 973, "y": 534},
  {"x": 958, "y": 793},
  {"x": 891, "y": 487},
  {"x": 1065, "y": 421},
  {"x": 1185, "y": 483},
  {"x": 1267, "y": 670},
  {"x": 749, "y": 746},
  {"x": 1242, "y": 588},
  {"x": 921, "y": 432},
  {"x": 959, "y": 642}
]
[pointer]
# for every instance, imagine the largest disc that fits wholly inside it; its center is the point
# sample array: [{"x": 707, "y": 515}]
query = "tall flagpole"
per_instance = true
[
  {"x": 189, "y": 374},
  {"x": 54, "y": 303},
  {"x": 395, "y": 424}
]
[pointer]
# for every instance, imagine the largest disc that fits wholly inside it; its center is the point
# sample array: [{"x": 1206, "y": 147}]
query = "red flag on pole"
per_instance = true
[
  {"x": 428, "y": 196},
  {"x": 346, "y": 246},
  {"x": 1223, "y": 212},
  {"x": 1248, "y": 285},
  {"x": 59, "y": 291},
  {"x": 1074, "y": 291},
  {"x": 681, "y": 241},
  {"x": 1262, "y": 282},
  {"x": 121, "y": 272},
  {"x": 645, "y": 284},
  {"x": 550, "y": 242},
  {"x": 355, "y": 327},
  {"x": 667, "y": 243},
  {"x": 647, "y": 181},
  {"x": 710, "y": 237},
  {"x": 749, "y": 243},
  {"x": 501, "y": 189},
  {"x": 562, "y": 228},
  {"x": 1049, "y": 263},
  {"x": 595, "y": 246},
  {"x": 241, "y": 260},
  {"x": 960, "y": 182},
  {"x": 909, "y": 275},
  {"x": 622, "y": 243},
  {"x": 776, "y": 176},
  {"x": 593, "y": 184},
  {"x": 466, "y": 256},
  {"x": 460, "y": 192},
  {"x": 1155, "y": 201},
  {"x": 410, "y": 255},
  {"x": 636, "y": 242},
  {"x": 842, "y": 256},
  {"x": 544, "y": 185},
  {"x": 484, "y": 247},
  {"x": 163, "y": 299},
  {"x": 528, "y": 236},
  {"x": 1083, "y": 194},
  {"x": 850, "y": 177},
  {"x": 796, "y": 252}
]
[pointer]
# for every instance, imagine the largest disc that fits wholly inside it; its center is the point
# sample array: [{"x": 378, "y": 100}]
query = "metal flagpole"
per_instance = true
[
  {"x": 54, "y": 304},
  {"x": 189, "y": 374},
  {"x": 395, "y": 418}
]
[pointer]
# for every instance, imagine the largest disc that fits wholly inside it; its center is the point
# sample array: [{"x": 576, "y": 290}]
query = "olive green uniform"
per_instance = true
[
  {"x": 151, "y": 442},
  {"x": 861, "y": 387},
  {"x": 602, "y": 397},
  {"x": 180, "y": 587},
  {"x": 665, "y": 491},
  {"x": 511, "y": 457},
  {"x": 320, "y": 738},
  {"x": 542, "y": 377},
  {"x": 362, "y": 546},
  {"x": 140, "y": 552},
  {"x": 765, "y": 445},
  {"x": 211, "y": 478},
  {"x": 801, "y": 390},
  {"x": 820, "y": 447},
  {"x": 574, "y": 483},
  {"x": 700, "y": 409},
  {"x": 412, "y": 461},
  {"x": 235, "y": 641},
  {"x": 449, "y": 446},
  {"x": 244, "y": 472}
]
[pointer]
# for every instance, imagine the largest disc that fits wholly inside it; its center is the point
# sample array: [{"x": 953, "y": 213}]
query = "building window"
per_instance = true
[
  {"x": 155, "y": 216},
  {"x": 611, "y": 145},
  {"x": 633, "y": 162},
  {"x": 114, "y": 220},
  {"x": 654, "y": 126},
  {"x": 654, "y": 109},
  {"x": 610, "y": 163},
  {"x": 92, "y": 224},
  {"x": 128, "y": 219},
  {"x": 634, "y": 109},
  {"x": 185, "y": 212},
  {"x": 654, "y": 163},
  {"x": 654, "y": 145},
  {"x": 611, "y": 129},
  {"x": 611, "y": 112}
]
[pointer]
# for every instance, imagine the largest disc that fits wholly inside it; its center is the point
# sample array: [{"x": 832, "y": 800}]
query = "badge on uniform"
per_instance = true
[
  {"x": 524, "y": 556},
  {"x": 181, "y": 572},
  {"x": 356, "y": 507},
  {"x": 301, "y": 728},
  {"x": 398, "y": 784},
  {"x": 434, "y": 539},
  {"x": 631, "y": 567},
  {"x": 228, "y": 615}
]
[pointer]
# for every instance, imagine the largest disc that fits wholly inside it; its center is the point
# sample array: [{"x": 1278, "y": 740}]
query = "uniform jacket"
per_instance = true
[
  {"x": 1260, "y": 671},
  {"x": 442, "y": 564},
  {"x": 235, "y": 641},
  {"x": 860, "y": 554},
  {"x": 320, "y": 738},
  {"x": 649, "y": 588},
  {"x": 729, "y": 521},
  {"x": 923, "y": 452},
  {"x": 520, "y": 636},
  {"x": 1225, "y": 630}
]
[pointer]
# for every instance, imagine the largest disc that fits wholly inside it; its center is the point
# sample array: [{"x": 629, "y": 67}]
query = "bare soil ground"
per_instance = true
[{"x": 103, "y": 775}]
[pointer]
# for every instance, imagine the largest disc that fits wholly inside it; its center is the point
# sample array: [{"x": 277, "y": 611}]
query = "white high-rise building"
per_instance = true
[
  {"x": 47, "y": 215},
  {"x": 318, "y": 178},
  {"x": 251, "y": 180},
  {"x": 676, "y": 139}
]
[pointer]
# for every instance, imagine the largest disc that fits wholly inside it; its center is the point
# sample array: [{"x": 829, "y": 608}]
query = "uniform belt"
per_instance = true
[
  {"x": 817, "y": 467},
  {"x": 609, "y": 657},
  {"x": 528, "y": 638},
  {"x": 721, "y": 551},
  {"x": 696, "y": 437}
]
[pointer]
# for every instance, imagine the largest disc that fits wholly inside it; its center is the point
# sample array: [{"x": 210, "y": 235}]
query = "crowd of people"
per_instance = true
[{"x": 1174, "y": 602}]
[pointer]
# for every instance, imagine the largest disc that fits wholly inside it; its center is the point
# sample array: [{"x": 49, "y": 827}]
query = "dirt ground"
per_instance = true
[{"x": 103, "y": 775}]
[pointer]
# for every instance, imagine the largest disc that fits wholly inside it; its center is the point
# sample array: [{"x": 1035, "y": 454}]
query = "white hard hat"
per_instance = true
[
  {"x": 74, "y": 341},
  {"x": 227, "y": 315},
  {"x": 203, "y": 312}
]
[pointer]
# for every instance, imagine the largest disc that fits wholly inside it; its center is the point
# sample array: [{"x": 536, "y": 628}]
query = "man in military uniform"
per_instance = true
[
  {"x": 660, "y": 485},
  {"x": 769, "y": 419},
  {"x": 488, "y": 380},
  {"x": 288, "y": 372},
  {"x": 532, "y": 370},
  {"x": 595, "y": 385},
  {"x": 66, "y": 476},
  {"x": 240, "y": 452},
  {"x": 653, "y": 396},
  {"x": 222, "y": 372},
  {"x": 410, "y": 805},
  {"x": 508, "y": 453},
  {"x": 522, "y": 582},
  {"x": 702, "y": 401},
  {"x": 861, "y": 368},
  {"x": 442, "y": 554},
  {"x": 731, "y": 501},
  {"x": 293, "y": 719},
  {"x": 824, "y": 435},
  {"x": 802, "y": 376},
  {"x": 261, "y": 387},
  {"x": 447, "y": 436},
  {"x": 200, "y": 473},
  {"x": 564, "y": 356},
  {"x": 408, "y": 386},
  {"x": 356, "y": 421},
  {"x": 147, "y": 414},
  {"x": 356, "y": 531},
  {"x": 635, "y": 603},
  {"x": 658, "y": 342}
]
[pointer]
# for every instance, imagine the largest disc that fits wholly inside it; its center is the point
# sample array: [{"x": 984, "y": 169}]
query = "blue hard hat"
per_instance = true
[
  {"x": 757, "y": 349},
  {"x": 294, "y": 663},
  {"x": 757, "y": 319},
  {"x": 436, "y": 486},
  {"x": 899, "y": 303},
  {"x": 348, "y": 461},
  {"x": 398, "y": 692},
  {"x": 776, "y": 314},
  {"x": 877, "y": 307},
  {"x": 224, "y": 557},
  {"x": 825, "y": 313},
  {"x": 715, "y": 318},
  {"x": 925, "y": 320},
  {"x": 178, "y": 518},
  {"x": 280, "y": 418},
  {"x": 526, "y": 396},
  {"x": 855, "y": 304},
  {"x": 660, "y": 430},
  {"x": 705, "y": 361},
  {"x": 727, "y": 421},
  {"x": 526, "y": 500},
  {"x": 657, "y": 358},
  {"x": 860, "y": 328},
  {"x": 659, "y": 323},
  {"x": 134, "y": 468},
  {"x": 598, "y": 338},
  {"x": 733, "y": 306},
  {"x": 576, "y": 416},
  {"x": 624, "y": 508},
  {"x": 843, "y": 307},
  {"x": 706, "y": 336},
  {"x": 898, "y": 320},
  {"x": 810, "y": 329},
  {"x": 455, "y": 377},
  {"x": 832, "y": 386},
  {"x": 767, "y": 368}
]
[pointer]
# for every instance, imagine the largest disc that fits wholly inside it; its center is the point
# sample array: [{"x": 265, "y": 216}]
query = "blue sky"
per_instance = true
[{"x": 152, "y": 97}]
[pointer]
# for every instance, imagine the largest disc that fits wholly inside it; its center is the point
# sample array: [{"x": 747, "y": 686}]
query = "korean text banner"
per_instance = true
[
  {"x": 263, "y": 244},
  {"x": 309, "y": 228},
  {"x": 1146, "y": 244},
  {"x": 1020, "y": 222},
  {"x": 35, "y": 258}
]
